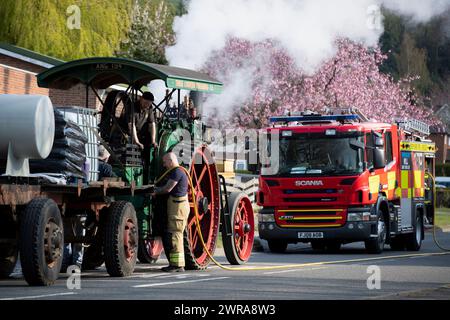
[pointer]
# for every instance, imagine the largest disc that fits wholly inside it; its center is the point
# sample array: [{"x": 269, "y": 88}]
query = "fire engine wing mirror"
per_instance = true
[
  {"x": 379, "y": 143},
  {"x": 379, "y": 156}
]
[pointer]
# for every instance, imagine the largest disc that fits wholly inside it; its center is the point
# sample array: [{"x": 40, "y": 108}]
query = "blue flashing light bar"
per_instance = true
[{"x": 341, "y": 117}]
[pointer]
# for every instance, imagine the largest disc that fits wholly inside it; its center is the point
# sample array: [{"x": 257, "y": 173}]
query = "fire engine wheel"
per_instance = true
[
  {"x": 41, "y": 242},
  {"x": 277, "y": 246},
  {"x": 149, "y": 250},
  {"x": 121, "y": 239},
  {"x": 376, "y": 245},
  {"x": 238, "y": 246},
  {"x": 413, "y": 241},
  {"x": 206, "y": 184}
]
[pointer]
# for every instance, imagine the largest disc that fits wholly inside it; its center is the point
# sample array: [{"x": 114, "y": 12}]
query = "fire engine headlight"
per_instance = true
[
  {"x": 358, "y": 216},
  {"x": 267, "y": 217}
]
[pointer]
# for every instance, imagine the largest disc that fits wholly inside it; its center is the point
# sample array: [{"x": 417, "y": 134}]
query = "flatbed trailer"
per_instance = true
[{"x": 39, "y": 211}]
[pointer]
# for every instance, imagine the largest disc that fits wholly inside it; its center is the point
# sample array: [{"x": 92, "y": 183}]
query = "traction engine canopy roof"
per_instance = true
[{"x": 102, "y": 73}]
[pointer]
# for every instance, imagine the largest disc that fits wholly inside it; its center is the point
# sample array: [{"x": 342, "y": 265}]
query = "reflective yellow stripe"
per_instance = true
[
  {"x": 308, "y": 225},
  {"x": 176, "y": 258},
  {"x": 391, "y": 181},
  {"x": 405, "y": 179},
  {"x": 311, "y": 218},
  {"x": 418, "y": 179},
  {"x": 374, "y": 184},
  {"x": 409, "y": 193},
  {"x": 429, "y": 147},
  {"x": 398, "y": 192}
]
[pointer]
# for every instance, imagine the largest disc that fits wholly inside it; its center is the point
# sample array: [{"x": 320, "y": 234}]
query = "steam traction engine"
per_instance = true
[{"x": 121, "y": 223}]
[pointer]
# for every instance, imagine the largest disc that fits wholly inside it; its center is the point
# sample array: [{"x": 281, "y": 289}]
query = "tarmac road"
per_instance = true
[{"x": 403, "y": 275}]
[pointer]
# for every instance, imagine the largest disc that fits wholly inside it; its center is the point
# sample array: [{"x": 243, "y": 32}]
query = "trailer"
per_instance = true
[{"x": 121, "y": 222}]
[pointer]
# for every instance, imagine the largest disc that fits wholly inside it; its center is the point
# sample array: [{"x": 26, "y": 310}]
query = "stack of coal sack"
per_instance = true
[{"x": 68, "y": 156}]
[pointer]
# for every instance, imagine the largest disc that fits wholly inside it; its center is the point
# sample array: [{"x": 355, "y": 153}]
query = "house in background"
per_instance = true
[
  {"x": 18, "y": 70},
  {"x": 439, "y": 135}
]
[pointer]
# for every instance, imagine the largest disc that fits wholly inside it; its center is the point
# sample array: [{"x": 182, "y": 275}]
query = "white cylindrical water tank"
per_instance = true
[{"x": 28, "y": 123}]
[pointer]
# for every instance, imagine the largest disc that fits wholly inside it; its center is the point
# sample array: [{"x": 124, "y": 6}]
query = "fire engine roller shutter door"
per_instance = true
[
  {"x": 419, "y": 174},
  {"x": 406, "y": 180}
]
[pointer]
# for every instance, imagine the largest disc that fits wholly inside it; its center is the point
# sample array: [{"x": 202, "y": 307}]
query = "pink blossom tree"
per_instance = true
[{"x": 350, "y": 79}]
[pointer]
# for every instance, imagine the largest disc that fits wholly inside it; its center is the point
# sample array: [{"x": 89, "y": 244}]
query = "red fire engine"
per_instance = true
[{"x": 339, "y": 179}]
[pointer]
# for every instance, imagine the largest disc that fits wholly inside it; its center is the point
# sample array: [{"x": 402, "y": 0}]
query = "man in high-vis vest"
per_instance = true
[{"x": 177, "y": 212}]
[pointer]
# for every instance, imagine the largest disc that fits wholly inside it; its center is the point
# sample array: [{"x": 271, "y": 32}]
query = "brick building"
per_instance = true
[{"x": 18, "y": 70}]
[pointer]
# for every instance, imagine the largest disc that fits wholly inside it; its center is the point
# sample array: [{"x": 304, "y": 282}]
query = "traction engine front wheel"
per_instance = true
[{"x": 238, "y": 243}]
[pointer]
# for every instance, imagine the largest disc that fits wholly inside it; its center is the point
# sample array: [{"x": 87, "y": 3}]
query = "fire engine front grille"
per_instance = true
[
  {"x": 310, "y": 218},
  {"x": 309, "y": 191}
]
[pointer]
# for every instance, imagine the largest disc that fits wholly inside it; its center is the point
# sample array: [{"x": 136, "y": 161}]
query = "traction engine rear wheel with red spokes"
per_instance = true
[{"x": 205, "y": 182}]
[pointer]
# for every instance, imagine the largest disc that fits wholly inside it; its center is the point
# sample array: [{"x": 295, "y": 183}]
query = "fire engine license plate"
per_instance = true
[{"x": 310, "y": 235}]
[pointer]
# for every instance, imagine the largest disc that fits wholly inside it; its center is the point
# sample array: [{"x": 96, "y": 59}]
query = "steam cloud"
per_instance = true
[{"x": 307, "y": 29}]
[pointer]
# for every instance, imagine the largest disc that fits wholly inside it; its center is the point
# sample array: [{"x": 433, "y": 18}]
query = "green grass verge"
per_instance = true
[{"x": 443, "y": 217}]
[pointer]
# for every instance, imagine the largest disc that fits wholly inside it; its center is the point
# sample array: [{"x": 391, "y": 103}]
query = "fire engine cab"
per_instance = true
[{"x": 336, "y": 179}]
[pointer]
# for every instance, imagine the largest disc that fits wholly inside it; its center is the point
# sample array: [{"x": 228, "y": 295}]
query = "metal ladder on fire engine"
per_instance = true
[{"x": 414, "y": 126}]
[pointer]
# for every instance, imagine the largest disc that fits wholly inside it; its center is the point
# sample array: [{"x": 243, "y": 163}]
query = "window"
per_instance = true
[
  {"x": 369, "y": 149},
  {"x": 388, "y": 146}
]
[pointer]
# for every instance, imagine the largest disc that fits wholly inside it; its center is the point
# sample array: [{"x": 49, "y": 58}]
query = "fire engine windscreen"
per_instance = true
[{"x": 320, "y": 154}]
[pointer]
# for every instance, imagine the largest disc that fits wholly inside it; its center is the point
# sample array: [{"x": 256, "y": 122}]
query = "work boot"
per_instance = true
[{"x": 172, "y": 269}]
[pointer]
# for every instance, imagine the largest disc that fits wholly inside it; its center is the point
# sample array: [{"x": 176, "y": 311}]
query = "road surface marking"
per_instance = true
[
  {"x": 42, "y": 296},
  {"x": 176, "y": 282},
  {"x": 284, "y": 271},
  {"x": 321, "y": 263}
]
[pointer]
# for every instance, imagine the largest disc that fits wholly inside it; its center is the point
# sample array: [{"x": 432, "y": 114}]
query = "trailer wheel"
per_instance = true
[
  {"x": 121, "y": 239},
  {"x": 277, "y": 246},
  {"x": 376, "y": 245},
  {"x": 413, "y": 241},
  {"x": 41, "y": 242},
  {"x": 149, "y": 250},
  {"x": 238, "y": 246}
]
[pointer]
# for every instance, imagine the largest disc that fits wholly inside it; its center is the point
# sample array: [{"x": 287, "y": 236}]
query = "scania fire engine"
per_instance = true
[{"x": 340, "y": 178}]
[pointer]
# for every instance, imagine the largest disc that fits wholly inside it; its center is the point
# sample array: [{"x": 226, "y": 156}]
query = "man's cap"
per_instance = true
[{"x": 148, "y": 96}]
